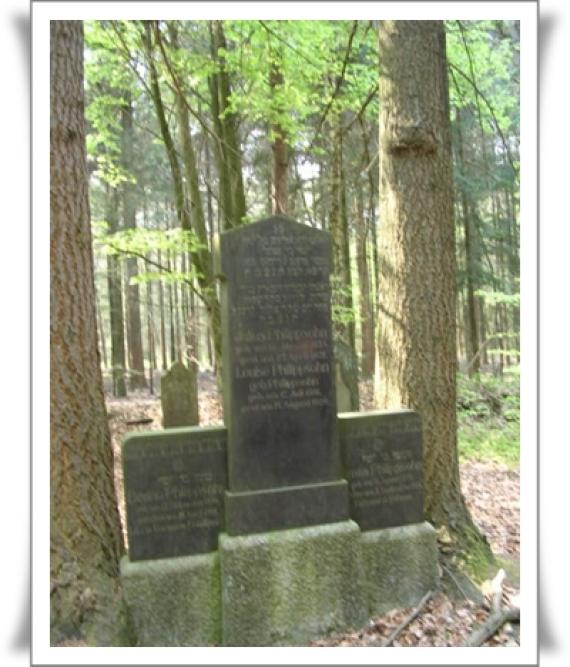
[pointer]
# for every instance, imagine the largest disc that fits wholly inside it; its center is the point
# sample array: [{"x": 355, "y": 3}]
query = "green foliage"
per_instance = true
[
  {"x": 488, "y": 411},
  {"x": 139, "y": 242},
  {"x": 493, "y": 298}
]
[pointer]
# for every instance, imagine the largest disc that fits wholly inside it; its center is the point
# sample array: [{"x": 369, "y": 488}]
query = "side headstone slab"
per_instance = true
[
  {"x": 178, "y": 396},
  {"x": 174, "y": 488},
  {"x": 382, "y": 456},
  {"x": 279, "y": 393}
]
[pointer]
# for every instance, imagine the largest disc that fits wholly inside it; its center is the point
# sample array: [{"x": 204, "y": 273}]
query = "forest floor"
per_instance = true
[{"x": 491, "y": 490}]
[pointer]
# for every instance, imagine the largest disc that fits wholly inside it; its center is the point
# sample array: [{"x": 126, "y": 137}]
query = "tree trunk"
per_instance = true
[
  {"x": 115, "y": 291},
  {"x": 416, "y": 340},
  {"x": 343, "y": 323},
  {"x": 201, "y": 259},
  {"x": 162, "y": 319},
  {"x": 473, "y": 338},
  {"x": 366, "y": 318},
  {"x": 232, "y": 195},
  {"x": 137, "y": 379},
  {"x": 280, "y": 168},
  {"x": 85, "y": 532}
]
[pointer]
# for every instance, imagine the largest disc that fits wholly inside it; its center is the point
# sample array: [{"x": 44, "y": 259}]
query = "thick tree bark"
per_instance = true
[
  {"x": 416, "y": 328},
  {"x": 137, "y": 379},
  {"x": 85, "y": 533}
]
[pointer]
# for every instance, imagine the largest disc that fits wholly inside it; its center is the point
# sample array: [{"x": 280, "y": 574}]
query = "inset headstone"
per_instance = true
[
  {"x": 174, "y": 486},
  {"x": 179, "y": 397},
  {"x": 382, "y": 453},
  {"x": 279, "y": 392}
]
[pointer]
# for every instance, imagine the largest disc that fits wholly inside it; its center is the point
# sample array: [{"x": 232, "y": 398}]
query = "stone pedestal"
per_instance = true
[
  {"x": 284, "y": 588},
  {"x": 174, "y": 601},
  {"x": 400, "y": 566}
]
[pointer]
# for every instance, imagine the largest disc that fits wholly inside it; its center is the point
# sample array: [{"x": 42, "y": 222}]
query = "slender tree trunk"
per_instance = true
[
  {"x": 473, "y": 338},
  {"x": 137, "y": 379},
  {"x": 85, "y": 531},
  {"x": 280, "y": 164},
  {"x": 343, "y": 324},
  {"x": 115, "y": 291},
  {"x": 232, "y": 195},
  {"x": 416, "y": 341},
  {"x": 366, "y": 316},
  {"x": 162, "y": 319},
  {"x": 171, "y": 316},
  {"x": 200, "y": 259},
  {"x": 102, "y": 341}
]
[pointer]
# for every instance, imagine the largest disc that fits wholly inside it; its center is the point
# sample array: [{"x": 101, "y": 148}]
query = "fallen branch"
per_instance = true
[
  {"x": 396, "y": 633},
  {"x": 493, "y": 624},
  {"x": 142, "y": 420}
]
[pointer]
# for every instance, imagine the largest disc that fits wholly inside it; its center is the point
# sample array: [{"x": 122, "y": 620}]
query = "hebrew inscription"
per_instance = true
[
  {"x": 174, "y": 485},
  {"x": 382, "y": 454}
]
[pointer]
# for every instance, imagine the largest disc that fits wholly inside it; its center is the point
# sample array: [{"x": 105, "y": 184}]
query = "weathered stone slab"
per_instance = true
[
  {"x": 175, "y": 601},
  {"x": 179, "y": 397},
  {"x": 286, "y": 507},
  {"x": 400, "y": 566},
  {"x": 174, "y": 486},
  {"x": 285, "y": 588},
  {"x": 382, "y": 455},
  {"x": 279, "y": 394}
]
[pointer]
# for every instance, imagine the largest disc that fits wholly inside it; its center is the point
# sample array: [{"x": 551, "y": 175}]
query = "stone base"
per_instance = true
[
  {"x": 285, "y": 588},
  {"x": 286, "y": 507},
  {"x": 174, "y": 601},
  {"x": 400, "y": 566}
]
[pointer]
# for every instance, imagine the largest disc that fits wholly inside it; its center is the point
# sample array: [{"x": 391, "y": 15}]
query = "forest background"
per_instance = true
[
  {"x": 554, "y": 177},
  {"x": 197, "y": 127}
]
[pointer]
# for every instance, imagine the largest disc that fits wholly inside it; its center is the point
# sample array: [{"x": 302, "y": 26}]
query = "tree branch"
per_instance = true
[
  {"x": 493, "y": 624},
  {"x": 338, "y": 84}
]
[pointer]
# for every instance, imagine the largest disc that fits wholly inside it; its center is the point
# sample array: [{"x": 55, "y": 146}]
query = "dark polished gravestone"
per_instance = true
[
  {"x": 382, "y": 454},
  {"x": 174, "y": 485},
  {"x": 284, "y": 467}
]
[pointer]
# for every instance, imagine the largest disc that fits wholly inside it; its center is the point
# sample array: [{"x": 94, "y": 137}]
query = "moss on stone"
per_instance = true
[
  {"x": 174, "y": 601},
  {"x": 284, "y": 588},
  {"x": 400, "y": 566}
]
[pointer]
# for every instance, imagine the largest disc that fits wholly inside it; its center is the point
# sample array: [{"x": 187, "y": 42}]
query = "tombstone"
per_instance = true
[
  {"x": 284, "y": 467},
  {"x": 382, "y": 454},
  {"x": 178, "y": 396},
  {"x": 277, "y": 529},
  {"x": 174, "y": 485}
]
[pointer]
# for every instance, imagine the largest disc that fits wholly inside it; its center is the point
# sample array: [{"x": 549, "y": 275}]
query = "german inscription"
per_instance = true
[
  {"x": 280, "y": 402},
  {"x": 382, "y": 454},
  {"x": 174, "y": 485}
]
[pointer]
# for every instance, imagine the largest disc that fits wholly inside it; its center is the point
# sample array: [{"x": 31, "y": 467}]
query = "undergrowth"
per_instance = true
[{"x": 488, "y": 413}]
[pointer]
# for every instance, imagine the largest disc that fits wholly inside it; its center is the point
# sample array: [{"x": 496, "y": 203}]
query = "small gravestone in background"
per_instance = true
[{"x": 179, "y": 396}]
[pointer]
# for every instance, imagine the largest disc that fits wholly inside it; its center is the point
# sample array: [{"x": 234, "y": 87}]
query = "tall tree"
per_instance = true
[
  {"x": 416, "y": 328},
  {"x": 85, "y": 533},
  {"x": 343, "y": 322},
  {"x": 137, "y": 379},
  {"x": 115, "y": 291},
  {"x": 228, "y": 153}
]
